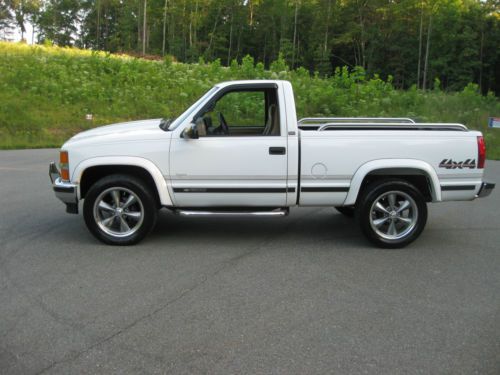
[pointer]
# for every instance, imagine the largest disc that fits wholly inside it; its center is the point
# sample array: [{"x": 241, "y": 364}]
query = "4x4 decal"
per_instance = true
[{"x": 450, "y": 164}]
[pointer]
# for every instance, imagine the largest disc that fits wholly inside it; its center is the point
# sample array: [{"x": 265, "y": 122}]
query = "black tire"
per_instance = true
[
  {"x": 376, "y": 224},
  {"x": 346, "y": 210},
  {"x": 139, "y": 216}
]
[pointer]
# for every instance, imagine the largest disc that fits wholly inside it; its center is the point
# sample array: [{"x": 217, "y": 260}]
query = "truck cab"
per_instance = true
[{"x": 239, "y": 149}]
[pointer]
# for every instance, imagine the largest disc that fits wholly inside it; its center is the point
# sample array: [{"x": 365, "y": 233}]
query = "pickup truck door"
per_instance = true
[{"x": 247, "y": 167}]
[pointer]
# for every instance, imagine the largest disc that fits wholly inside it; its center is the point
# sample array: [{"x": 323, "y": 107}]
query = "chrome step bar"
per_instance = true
[{"x": 232, "y": 212}]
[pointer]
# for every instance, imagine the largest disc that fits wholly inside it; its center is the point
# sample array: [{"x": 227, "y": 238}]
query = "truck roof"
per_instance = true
[{"x": 248, "y": 81}]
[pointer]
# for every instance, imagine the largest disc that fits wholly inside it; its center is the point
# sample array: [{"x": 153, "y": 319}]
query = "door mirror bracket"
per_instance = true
[{"x": 190, "y": 132}]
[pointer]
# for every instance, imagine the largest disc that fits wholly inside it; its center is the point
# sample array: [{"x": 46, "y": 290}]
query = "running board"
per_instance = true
[{"x": 232, "y": 212}]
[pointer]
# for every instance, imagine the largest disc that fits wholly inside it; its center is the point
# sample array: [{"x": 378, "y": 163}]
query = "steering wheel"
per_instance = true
[{"x": 223, "y": 124}]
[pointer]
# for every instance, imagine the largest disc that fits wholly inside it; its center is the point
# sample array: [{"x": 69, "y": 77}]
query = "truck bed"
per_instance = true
[{"x": 334, "y": 149}]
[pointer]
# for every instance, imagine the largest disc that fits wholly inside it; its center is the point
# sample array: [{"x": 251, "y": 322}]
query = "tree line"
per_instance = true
[{"x": 415, "y": 42}]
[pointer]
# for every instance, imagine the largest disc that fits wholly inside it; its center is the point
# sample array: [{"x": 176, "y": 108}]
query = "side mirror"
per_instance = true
[{"x": 190, "y": 132}]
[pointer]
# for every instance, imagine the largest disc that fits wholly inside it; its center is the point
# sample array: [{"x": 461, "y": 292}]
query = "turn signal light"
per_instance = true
[
  {"x": 63, "y": 157},
  {"x": 481, "y": 152},
  {"x": 64, "y": 165}
]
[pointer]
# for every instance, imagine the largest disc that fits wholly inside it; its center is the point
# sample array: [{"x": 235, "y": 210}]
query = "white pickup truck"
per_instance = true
[{"x": 241, "y": 150}]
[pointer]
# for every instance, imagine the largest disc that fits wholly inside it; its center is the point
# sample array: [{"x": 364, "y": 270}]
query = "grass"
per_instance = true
[{"x": 46, "y": 92}]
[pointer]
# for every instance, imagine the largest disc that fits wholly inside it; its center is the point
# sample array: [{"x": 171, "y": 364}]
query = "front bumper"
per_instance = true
[
  {"x": 65, "y": 191},
  {"x": 486, "y": 189}
]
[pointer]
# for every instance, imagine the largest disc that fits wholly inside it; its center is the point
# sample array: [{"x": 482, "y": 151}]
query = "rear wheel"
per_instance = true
[
  {"x": 391, "y": 213},
  {"x": 119, "y": 210}
]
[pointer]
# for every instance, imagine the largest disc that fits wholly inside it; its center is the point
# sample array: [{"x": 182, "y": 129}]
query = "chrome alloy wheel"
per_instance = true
[
  {"x": 118, "y": 212},
  {"x": 393, "y": 215}
]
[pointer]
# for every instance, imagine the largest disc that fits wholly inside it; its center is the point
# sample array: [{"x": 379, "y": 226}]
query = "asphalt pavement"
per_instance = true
[{"x": 305, "y": 294}]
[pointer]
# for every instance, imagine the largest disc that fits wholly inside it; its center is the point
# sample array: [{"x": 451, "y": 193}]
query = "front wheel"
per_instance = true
[
  {"x": 391, "y": 213},
  {"x": 119, "y": 210}
]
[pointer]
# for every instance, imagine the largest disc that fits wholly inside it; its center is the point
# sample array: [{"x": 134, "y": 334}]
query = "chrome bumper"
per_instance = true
[
  {"x": 486, "y": 189},
  {"x": 65, "y": 191}
]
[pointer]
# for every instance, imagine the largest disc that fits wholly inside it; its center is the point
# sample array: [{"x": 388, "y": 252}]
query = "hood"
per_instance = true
[{"x": 142, "y": 129}]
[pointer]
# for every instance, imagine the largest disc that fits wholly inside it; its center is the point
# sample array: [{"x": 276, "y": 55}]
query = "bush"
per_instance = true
[{"x": 46, "y": 92}]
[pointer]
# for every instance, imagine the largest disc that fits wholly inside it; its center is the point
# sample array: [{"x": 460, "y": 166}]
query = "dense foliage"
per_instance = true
[
  {"x": 415, "y": 41},
  {"x": 46, "y": 93}
]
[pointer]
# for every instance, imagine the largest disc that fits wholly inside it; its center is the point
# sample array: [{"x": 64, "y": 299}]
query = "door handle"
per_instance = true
[{"x": 277, "y": 150}]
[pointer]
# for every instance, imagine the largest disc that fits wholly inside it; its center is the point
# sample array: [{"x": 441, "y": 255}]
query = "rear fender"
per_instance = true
[{"x": 397, "y": 164}]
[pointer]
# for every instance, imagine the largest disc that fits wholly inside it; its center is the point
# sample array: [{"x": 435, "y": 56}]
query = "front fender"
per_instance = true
[
  {"x": 410, "y": 164},
  {"x": 148, "y": 165}
]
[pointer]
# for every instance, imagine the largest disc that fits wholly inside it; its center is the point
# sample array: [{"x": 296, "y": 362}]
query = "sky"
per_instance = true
[{"x": 16, "y": 34}]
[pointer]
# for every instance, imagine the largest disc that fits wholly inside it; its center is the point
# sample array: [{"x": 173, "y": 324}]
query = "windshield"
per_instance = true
[{"x": 179, "y": 120}]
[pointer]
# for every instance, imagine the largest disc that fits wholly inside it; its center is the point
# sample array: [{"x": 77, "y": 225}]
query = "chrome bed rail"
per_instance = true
[
  {"x": 330, "y": 120},
  {"x": 390, "y": 126}
]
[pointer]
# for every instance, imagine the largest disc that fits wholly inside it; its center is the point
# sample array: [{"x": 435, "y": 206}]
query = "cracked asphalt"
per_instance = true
[{"x": 305, "y": 294}]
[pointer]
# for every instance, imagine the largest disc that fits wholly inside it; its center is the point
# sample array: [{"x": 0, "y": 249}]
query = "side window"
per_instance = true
[
  {"x": 241, "y": 113},
  {"x": 243, "y": 108}
]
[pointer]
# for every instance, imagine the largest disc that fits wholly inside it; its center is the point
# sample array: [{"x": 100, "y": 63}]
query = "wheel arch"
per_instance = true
[
  {"x": 90, "y": 170},
  {"x": 417, "y": 172}
]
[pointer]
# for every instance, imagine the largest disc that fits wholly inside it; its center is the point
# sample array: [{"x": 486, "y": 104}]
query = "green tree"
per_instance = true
[{"x": 414, "y": 41}]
